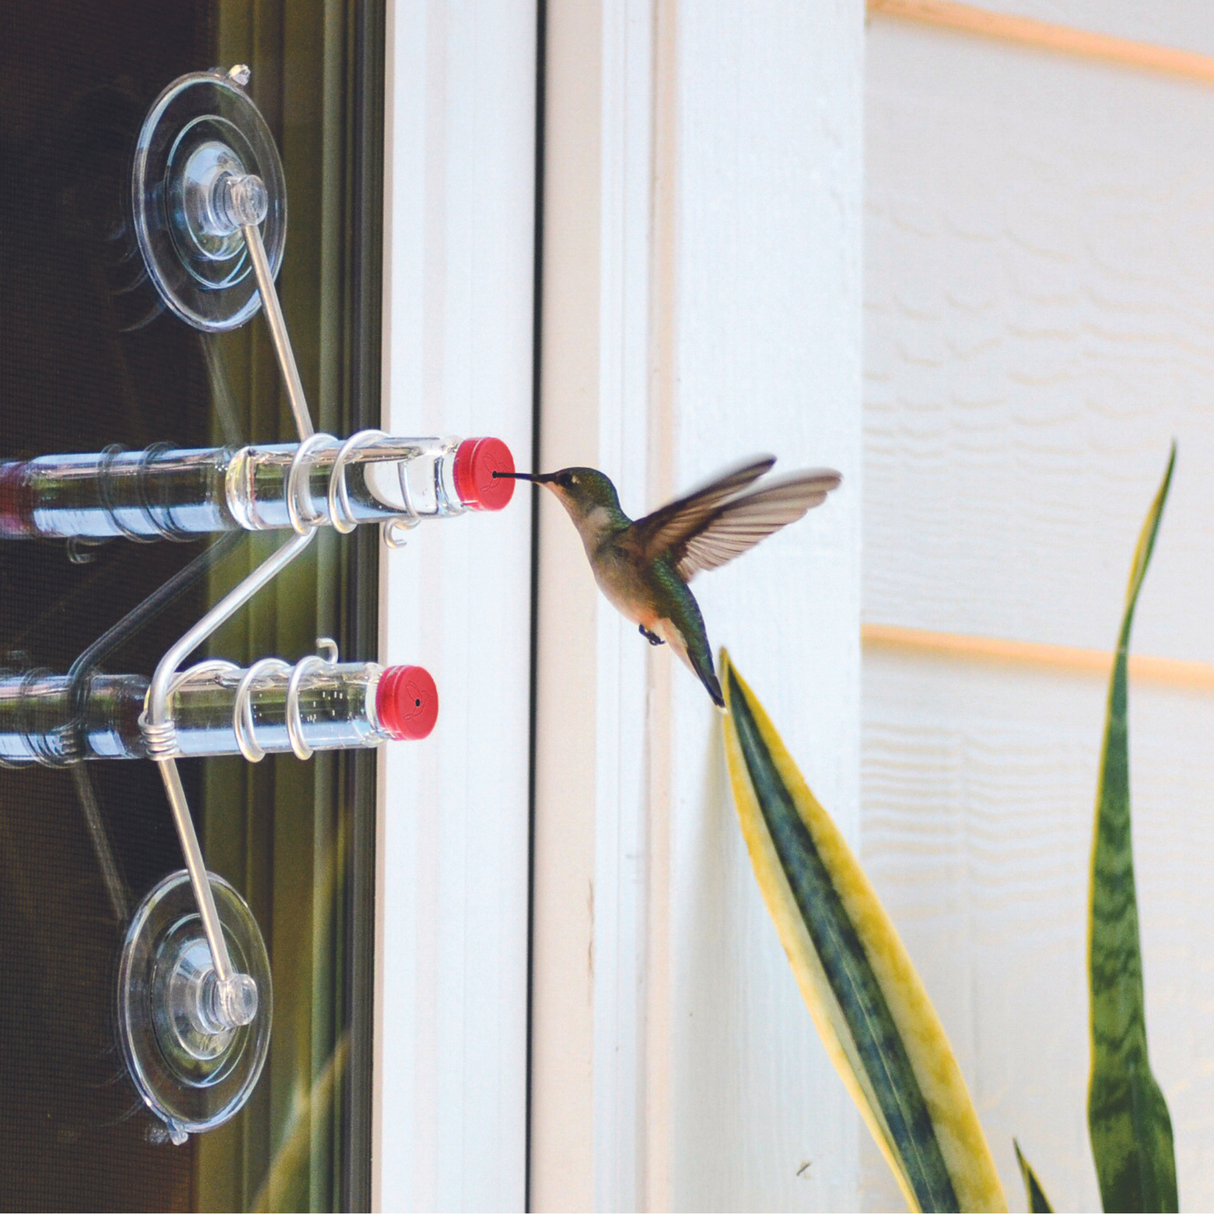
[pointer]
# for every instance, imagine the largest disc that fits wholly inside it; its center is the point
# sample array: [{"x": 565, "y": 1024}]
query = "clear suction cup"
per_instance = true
[
  {"x": 193, "y": 1048},
  {"x": 205, "y": 162}
]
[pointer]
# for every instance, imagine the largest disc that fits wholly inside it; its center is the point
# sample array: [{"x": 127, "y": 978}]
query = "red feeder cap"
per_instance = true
[
  {"x": 17, "y": 501},
  {"x": 476, "y": 460},
  {"x": 406, "y": 702}
]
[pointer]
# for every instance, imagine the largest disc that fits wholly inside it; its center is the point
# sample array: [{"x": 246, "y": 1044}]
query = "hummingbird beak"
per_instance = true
[{"x": 536, "y": 478}]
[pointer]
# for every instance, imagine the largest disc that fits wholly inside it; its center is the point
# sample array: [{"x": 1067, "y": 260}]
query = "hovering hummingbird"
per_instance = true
[{"x": 643, "y": 567}]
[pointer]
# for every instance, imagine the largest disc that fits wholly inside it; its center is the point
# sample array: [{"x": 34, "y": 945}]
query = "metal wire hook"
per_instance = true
[{"x": 157, "y": 718}]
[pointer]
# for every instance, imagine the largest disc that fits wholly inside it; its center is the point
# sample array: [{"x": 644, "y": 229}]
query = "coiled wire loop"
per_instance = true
[
  {"x": 295, "y": 686},
  {"x": 162, "y": 738},
  {"x": 298, "y": 491},
  {"x": 242, "y": 710}
]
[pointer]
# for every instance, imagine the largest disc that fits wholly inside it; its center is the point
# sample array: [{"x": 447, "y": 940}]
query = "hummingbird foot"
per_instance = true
[{"x": 651, "y": 637}]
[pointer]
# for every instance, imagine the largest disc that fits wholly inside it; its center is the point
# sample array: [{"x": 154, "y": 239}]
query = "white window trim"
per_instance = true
[
  {"x": 701, "y": 301},
  {"x": 452, "y": 841}
]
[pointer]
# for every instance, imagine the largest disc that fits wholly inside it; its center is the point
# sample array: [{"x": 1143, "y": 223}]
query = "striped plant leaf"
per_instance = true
[
  {"x": 1039, "y": 1203},
  {"x": 870, "y": 1008},
  {"x": 1128, "y": 1120}
]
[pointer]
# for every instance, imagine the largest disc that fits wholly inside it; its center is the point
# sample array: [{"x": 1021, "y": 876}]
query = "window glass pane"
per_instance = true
[{"x": 89, "y": 358}]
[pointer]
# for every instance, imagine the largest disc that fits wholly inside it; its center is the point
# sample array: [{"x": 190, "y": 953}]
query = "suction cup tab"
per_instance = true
[{"x": 205, "y": 165}]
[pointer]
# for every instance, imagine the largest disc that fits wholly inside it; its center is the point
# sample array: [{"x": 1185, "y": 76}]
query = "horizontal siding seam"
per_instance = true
[
  {"x": 1170, "y": 672},
  {"x": 1063, "y": 39}
]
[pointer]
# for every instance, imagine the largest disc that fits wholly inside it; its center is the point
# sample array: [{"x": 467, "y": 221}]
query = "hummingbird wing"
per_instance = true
[
  {"x": 658, "y": 533},
  {"x": 699, "y": 540}
]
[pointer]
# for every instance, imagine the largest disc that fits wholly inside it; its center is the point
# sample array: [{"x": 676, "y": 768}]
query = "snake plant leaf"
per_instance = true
[
  {"x": 870, "y": 1008},
  {"x": 1039, "y": 1203},
  {"x": 1128, "y": 1121}
]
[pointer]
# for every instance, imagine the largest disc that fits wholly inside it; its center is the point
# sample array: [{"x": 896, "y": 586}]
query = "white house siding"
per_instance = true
[{"x": 1039, "y": 325}]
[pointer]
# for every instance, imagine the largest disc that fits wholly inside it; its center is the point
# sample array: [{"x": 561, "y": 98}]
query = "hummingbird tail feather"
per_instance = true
[
  {"x": 693, "y": 651},
  {"x": 700, "y": 661},
  {"x": 714, "y": 689}
]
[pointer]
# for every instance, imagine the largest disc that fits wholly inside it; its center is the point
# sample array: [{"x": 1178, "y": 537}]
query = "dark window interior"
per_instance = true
[{"x": 89, "y": 358}]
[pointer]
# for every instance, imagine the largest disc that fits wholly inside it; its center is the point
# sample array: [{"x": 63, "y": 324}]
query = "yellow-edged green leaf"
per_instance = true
[
  {"x": 870, "y": 1008},
  {"x": 1039, "y": 1203},
  {"x": 1128, "y": 1120}
]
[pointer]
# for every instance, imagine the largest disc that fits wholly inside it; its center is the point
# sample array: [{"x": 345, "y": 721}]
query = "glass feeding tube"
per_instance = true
[
  {"x": 166, "y": 493},
  {"x": 218, "y": 709}
]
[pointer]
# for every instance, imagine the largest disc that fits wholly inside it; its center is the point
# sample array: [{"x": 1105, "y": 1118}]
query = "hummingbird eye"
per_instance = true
[{"x": 566, "y": 479}]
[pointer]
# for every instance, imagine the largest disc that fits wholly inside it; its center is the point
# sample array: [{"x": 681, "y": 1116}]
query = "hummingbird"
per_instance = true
[{"x": 643, "y": 565}]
